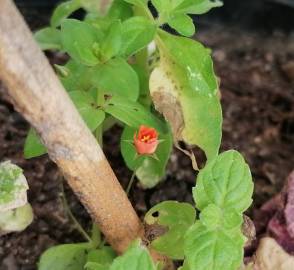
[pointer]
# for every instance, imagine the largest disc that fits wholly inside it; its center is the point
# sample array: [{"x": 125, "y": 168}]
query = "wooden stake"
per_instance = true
[{"x": 38, "y": 95}]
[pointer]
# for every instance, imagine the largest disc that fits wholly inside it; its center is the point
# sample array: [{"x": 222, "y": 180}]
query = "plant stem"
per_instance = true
[
  {"x": 131, "y": 182},
  {"x": 77, "y": 225},
  {"x": 99, "y": 130},
  {"x": 96, "y": 235}
]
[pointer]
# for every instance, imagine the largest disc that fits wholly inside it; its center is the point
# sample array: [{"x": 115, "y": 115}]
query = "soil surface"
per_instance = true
[{"x": 256, "y": 71}]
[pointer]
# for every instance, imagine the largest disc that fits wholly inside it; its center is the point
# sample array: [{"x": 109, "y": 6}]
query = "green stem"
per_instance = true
[
  {"x": 96, "y": 235},
  {"x": 77, "y": 225},
  {"x": 99, "y": 130},
  {"x": 131, "y": 182}
]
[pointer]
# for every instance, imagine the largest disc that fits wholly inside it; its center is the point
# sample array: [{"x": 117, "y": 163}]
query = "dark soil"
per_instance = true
[{"x": 257, "y": 83}]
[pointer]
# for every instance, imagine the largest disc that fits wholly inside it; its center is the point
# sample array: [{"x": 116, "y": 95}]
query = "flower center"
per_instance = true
[{"x": 146, "y": 138}]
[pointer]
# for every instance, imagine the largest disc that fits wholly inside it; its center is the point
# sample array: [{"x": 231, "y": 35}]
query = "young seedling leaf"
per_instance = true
[
  {"x": 49, "y": 38},
  {"x": 13, "y": 187},
  {"x": 33, "y": 146},
  {"x": 79, "y": 39},
  {"x": 86, "y": 106},
  {"x": 133, "y": 114},
  {"x": 137, "y": 33},
  {"x": 177, "y": 218},
  {"x": 208, "y": 249},
  {"x": 184, "y": 89},
  {"x": 183, "y": 24},
  {"x": 16, "y": 220},
  {"x": 111, "y": 44},
  {"x": 64, "y": 257},
  {"x": 136, "y": 257},
  {"x": 197, "y": 7},
  {"x": 116, "y": 77},
  {"x": 149, "y": 171},
  {"x": 226, "y": 182},
  {"x": 63, "y": 10}
]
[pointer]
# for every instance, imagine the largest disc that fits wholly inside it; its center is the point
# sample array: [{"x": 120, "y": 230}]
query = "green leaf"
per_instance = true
[
  {"x": 116, "y": 77},
  {"x": 111, "y": 44},
  {"x": 98, "y": 6},
  {"x": 132, "y": 113},
  {"x": 137, "y": 33},
  {"x": 62, "y": 11},
  {"x": 64, "y": 257},
  {"x": 33, "y": 146},
  {"x": 211, "y": 216},
  {"x": 197, "y": 7},
  {"x": 138, "y": 3},
  {"x": 87, "y": 108},
  {"x": 184, "y": 88},
  {"x": 226, "y": 182},
  {"x": 13, "y": 186},
  {"x": 16, "y": 220},
  {"x": 79, "y": 39},
  {"x": 103, "y": 256},
  {"x": 207, "y": 249},
  {"x": 120, "y": 10},
  {"x": 136, "y": 257},
  {"x": 78, "y": 77},
  {"x": 183, "y": 24},
  {"x": 178, "y": 218},
  {"x": 149, "y": 171},
  {"x": 48, "y": 38},
  {"x": 96, "y": 266}
]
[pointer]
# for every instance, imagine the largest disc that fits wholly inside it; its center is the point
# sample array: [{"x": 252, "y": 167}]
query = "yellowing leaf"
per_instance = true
[{"x": 184, "y": 89}]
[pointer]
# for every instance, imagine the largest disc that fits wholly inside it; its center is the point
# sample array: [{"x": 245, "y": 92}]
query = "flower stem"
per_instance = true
[
  {"x": 131, "y": 182},
  {"x": 77, "y": 225}
]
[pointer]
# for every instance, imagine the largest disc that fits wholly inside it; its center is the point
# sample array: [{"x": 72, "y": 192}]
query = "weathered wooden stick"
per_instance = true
[{"x": 38, "y": 95}]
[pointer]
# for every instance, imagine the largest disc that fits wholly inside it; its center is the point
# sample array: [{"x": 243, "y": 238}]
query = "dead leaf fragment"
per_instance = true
[
  {"x": 270, "y": 256},
  {"x": 164, "y": 94}
]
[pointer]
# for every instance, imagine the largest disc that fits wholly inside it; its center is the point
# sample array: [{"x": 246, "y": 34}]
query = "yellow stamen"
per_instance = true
[{"x": 145, "y": 138}]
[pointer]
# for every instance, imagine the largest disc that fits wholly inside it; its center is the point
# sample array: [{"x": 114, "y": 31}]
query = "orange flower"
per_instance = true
[{"x": 147, "y": 140}]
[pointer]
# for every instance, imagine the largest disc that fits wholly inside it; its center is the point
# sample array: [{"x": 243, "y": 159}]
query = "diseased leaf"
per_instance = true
[
  {"x": 136, "y": 257},
  {"x": 183, "y": 24},
  {"x": 133, "y": 113},
  {"x": 87, "y": 108},
  {"x": 271, "y": 256},
  {"x": 48, "y": 38},
  {"x": 137, "y": 33},
  {"x": 63, "y": 10},
  {"x": 64, "y": 257},
  {"x": 184, "y": 89},
  {"x": 13, "y": 187},
  {"x": 149, "y": 171},
  {"x": 16, "y": 220},
  {"x": 226, "y": 182},
  {"x": 79, "y": 39},
  {"x": 177, "y": 218},
  {"x": 116, "y": 77},
  {"x": 33, "y": 146},
  {"x": 208, "y": 249}
]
